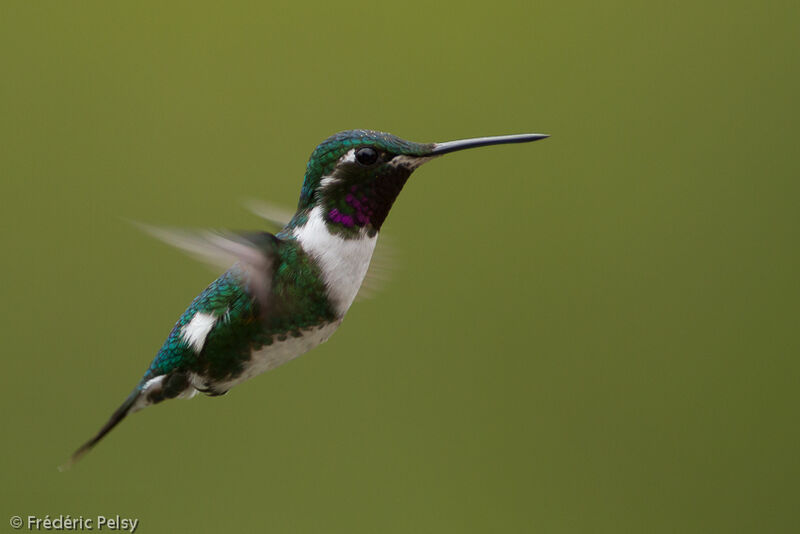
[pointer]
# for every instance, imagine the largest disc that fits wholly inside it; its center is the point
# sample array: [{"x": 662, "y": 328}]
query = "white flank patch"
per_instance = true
[
  {"x": 142, "y": 401},
  {"x": 155, "y": 383},
  {"x": 343, "y": 262},
  {"x": 195, "y": 333},
  {"x": 152, "y": 383}
]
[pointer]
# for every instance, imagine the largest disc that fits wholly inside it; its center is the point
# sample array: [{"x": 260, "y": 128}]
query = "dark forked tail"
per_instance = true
[{"x": 113, "y": 421}]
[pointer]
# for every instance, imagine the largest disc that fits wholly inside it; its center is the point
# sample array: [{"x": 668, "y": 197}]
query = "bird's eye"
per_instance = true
[{"x": 366, "y": 156}]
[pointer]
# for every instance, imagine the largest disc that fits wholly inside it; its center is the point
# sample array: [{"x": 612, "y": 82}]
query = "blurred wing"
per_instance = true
[
  {"x": 254, "y": 252},
  {"x": 384, "y": 261},
  {"x": 276, "y": 216}
]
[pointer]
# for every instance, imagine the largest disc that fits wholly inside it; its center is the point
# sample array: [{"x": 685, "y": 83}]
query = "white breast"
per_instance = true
[{"x": 343, "y": 262}]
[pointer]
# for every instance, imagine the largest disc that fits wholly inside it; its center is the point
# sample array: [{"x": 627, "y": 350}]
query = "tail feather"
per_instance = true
[{"x": 113, "y": 421}]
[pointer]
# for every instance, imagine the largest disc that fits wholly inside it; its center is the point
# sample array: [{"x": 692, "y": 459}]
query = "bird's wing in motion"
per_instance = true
[
  {"x": 383, "y": 259},
  {"x": 220, "y": 249},
  {"x": 276, "y": 216}
]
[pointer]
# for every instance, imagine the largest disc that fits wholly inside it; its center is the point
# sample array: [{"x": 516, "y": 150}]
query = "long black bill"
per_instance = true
[{"x": 452, "y": 146}]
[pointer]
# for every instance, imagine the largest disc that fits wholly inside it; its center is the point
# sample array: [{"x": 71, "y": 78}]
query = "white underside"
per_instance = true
[
  {"x": 280, "y": 352},
  {"x": 343, "y": 262}
]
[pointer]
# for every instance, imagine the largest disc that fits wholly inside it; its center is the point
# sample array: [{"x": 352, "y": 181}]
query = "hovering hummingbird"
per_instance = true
[{"x": 286, "y": 293}]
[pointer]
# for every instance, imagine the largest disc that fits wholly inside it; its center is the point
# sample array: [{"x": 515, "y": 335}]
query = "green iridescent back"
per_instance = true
[{"x": 298, "y": 301}]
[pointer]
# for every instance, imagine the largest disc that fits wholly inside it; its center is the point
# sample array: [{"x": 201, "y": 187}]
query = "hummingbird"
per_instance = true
[{"x": 286, "y": 292}]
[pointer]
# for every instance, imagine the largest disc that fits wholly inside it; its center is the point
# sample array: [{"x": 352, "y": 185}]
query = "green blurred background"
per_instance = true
[{"x": 594, "y": 333}]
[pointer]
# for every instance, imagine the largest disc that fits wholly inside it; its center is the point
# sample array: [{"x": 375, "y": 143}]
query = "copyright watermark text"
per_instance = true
[{"x": 67, "y": 522}]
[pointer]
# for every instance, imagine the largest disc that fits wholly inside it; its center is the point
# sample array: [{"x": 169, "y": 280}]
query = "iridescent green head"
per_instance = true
[
  {"x": 354, "y": 155},
  {"x": 354, "y": 176}
]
